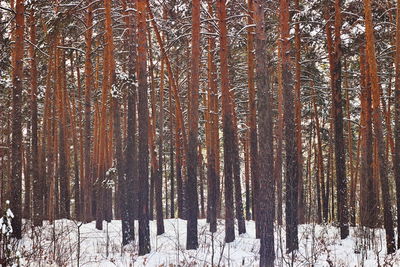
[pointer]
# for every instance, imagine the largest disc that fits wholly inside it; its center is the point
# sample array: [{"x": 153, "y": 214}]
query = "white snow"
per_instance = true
[
  {"x": 319, "y": 246},
  {"x": 9, "y": 213}
]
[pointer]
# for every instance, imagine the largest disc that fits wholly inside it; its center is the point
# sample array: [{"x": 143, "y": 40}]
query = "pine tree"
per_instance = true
[
  {"x": 143, "y": 116},
  {"x": 378, "y": 132},
  {"x": 290, "y": 132},
  {"x": 396, "y": 160},
  {"x": 16, "y": 121},
  {"x": 266, "y": 209},
  {"x": 192, "y": 162},
  {"x": 337, "y": 112},
  {"x": 37, "y": 180},
  {"x": 87, "y": 179},
  {"x": 227, "y": 120}
]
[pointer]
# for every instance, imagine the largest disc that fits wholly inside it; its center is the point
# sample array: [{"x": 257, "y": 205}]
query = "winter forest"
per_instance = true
[{"x": 200, "y": 133}]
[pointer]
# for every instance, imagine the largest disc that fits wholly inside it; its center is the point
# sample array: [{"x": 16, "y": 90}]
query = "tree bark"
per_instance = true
[
  {"x": 378, "y": 132},
  {"x": 227, "y": 120},
  {"x": 266, "y": 210},
  {"x": 37, "y": 179},
  {"x": 337, "y": 113},
  {"x": 290, "y": 133},
  {"x": 213, "y": 133},
  {"x": 192, "y": 162},
  {"x": 87, "y": 179},
  {"x": 143, "y": 163},
  {"x": 396, "y": 160}
]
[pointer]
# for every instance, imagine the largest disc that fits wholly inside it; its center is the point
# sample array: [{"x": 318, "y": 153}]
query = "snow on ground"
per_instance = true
[{"x": 319, "y": 246}]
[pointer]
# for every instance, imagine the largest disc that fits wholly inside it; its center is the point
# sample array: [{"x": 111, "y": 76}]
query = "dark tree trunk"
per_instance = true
[
  {"x": 159, "y": 181},
  {"x": 37, "y": 179},
  {"x": 237, "y": 183},
  {"x": 290, "y": 132},
  {"x": 201, "y": 182},
  {"x": 192, "y": 158},
  {"x": 16, "y": 122},
  {"x": 143, "y": 163},
  {"x": 298, "y": 104},
  {"x": 171, "y": 156},
  {"x": 340, "y": 153},
  {"x": 252, "y": 118},
  {"x": 227, "y": 118},
  {"x": 265, "y": 125},
  {"x": 63, "y": 173},
  {"x": 27, "y": 159},
  {"x": 130, "y": 190}
]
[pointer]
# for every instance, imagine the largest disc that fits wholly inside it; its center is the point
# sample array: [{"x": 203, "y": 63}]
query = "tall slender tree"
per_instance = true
[
  {"x": 16, "y": 121},
  {"x": 252, "y": 109},
  {"x": 143, "y": 116},
  {"x": 213, "y": 153},
  {"x": 337, "y": 113},
  {"x": 297, "y": 86},
  {"x": 265, "y": 126},
  {"x": 130, "y": 190},
  {"x": 396, "y": 160},
  {"x": 378, "y": 131},
  {"x": 290, "y": 132},
  {"x": 37, "y": 180},
  {"x": 87, "y": 188},
  {"x": 192, "y": 162},
  {"x": 368, "y": 202},
  {"x": 227, "y": 120}
]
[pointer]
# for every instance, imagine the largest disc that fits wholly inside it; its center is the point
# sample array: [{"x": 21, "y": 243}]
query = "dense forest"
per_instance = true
[{"x": 247, "y": 119}]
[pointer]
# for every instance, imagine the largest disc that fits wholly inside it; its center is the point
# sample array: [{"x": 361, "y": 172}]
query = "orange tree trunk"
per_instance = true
[
  {"x": 87, "y": 179},
  {"x": 297, "y": 86},
  {"x": 213, "y": 154},
  {"x": 396, "y": 163},
  {"x": 378, "y": 131},
  {"x": 227, "y": 120}
]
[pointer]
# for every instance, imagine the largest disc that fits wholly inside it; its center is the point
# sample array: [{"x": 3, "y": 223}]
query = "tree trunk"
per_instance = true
[
  {"x": 320, "y": 168},
  {"x": 144, "y": 231},
  {"x": 265, "y": 125},
  {"x": 87, "y": 179},
  {"x": 396, "y": 160},
  {"x": 297, "y": 86},
  {"x": 192, "y": 162},
  {"x": 252, "y": 115},
  {"x": 290, "y": 133},
  {"x": 16, "y": 122},
  {"x": 368, "y": 202},
  {"x": 213, "y": 153},
  {"x": 37, "y": 179},
  {"x": 378, "y": 132},
  {"x": 337, "y": 113},
  {"x": 279, "y": 141},
  {"x": 227, "y": 118}
]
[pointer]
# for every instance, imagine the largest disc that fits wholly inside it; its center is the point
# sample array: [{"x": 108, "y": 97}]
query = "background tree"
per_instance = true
[{"x": 265, "y": 125}]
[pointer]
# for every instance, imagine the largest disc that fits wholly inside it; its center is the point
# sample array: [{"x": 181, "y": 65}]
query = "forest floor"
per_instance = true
[{"x": 319, "y": 246}]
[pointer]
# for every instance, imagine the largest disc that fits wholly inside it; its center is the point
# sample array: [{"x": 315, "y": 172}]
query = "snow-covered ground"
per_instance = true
[{"x": 319, "y": 246}]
